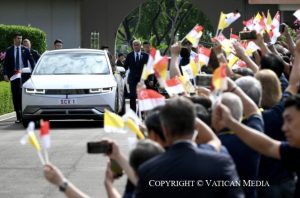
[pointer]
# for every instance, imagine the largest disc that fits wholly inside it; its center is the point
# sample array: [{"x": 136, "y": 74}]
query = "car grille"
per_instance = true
[{"x": 66, "y": 91}]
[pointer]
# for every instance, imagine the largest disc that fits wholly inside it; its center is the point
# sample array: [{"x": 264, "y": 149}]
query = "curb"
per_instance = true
[{"x": 7, "y": 116}]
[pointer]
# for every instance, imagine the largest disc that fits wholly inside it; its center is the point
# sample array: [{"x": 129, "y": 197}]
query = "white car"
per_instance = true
[{"x": 72, "y": 84}]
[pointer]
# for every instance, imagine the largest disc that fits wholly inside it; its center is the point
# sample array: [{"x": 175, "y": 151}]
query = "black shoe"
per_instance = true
[{"x": 18, "y": 121}]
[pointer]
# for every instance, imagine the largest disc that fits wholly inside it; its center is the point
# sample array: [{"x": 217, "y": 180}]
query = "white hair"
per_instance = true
[
  {"x": 234, "y": 103},
  {"x": 252, "y": 87}
]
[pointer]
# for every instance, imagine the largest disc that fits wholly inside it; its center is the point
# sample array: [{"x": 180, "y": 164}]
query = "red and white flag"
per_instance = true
[
  {"x": 203, "y": 55},
  {"x": 234, "y": 37},
  {"x": 249, "y": 23},
  {"x": 274, "y": 32},
  {"x": 174, "y": 86},
  {"x": 149, "y": 99},
  {"x": 44, "y": 134}
]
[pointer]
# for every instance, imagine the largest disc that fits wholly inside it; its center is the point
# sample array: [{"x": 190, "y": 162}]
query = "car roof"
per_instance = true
[{"x": 76, "y": 50}]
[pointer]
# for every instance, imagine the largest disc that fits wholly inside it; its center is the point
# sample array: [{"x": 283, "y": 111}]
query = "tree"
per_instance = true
[{"x": 162, "y": 21}]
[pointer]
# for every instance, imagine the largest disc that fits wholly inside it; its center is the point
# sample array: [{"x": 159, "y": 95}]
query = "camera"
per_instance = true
[
  {"x": 248, "y": 35},
  {"x": 99, "y": 147}
]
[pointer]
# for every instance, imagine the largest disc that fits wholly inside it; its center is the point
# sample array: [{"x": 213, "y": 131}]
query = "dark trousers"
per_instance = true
[
  {"x": 16, "y": 91},
  {"x": 132, "y": 95}
]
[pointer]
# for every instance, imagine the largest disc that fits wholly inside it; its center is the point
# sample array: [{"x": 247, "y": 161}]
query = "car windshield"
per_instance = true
[{"x": 72, "y": 63}]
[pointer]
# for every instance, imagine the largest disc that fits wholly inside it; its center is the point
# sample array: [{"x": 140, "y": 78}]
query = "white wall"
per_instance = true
[{"x": 58, "y": 18}]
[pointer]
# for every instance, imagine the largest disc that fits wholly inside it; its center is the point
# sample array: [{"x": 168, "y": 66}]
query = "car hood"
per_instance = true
[{"x": 70, "y": 81}]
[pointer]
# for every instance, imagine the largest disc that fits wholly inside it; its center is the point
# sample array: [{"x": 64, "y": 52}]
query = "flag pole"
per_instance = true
[
  {"x": 218, "y": 25},
  {"x": 46, "y": 156},
  {"x": 41, "y": 157}
]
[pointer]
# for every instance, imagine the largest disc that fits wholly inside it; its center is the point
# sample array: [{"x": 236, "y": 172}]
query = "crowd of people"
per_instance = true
[{"x": 244, "y": 142}]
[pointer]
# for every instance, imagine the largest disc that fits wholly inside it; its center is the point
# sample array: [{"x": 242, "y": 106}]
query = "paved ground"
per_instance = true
[{"x": 21, "y": 171}]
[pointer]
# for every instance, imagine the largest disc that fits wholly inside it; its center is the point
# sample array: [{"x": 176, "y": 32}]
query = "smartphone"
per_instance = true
[
  {"x": 248, "y": 35},
  {"x": 116, "y": 168},
  {"x": 99, "y": 147},
  {"x": 204, "y": 80},
  {"x": 281, "y": 28}
]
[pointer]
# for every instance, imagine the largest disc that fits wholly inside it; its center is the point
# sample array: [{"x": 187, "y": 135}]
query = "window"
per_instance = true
[{"x": 72, "y": 63}]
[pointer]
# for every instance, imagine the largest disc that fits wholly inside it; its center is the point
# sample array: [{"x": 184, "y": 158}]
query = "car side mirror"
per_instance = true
[{"x": 25, "y": 74}]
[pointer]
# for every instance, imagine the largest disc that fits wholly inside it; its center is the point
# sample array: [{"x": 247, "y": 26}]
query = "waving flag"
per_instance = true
[
  {"x": 256, "y": 22},
  {"x": 31, "y": 138},
  {"x": 232, "y": 59},
  {"x": 234, "y": 37},
  {"x": 132, "y": 115},
  {"x": 195, "y": 65},
  {"x": 161, "y": 67},
  {"x": 219, "y": 77},
  {"x": 174, "y": 86},
  {"x": 274, "y": 32},
  {"x": 227, "y": 19},
  {"x": 149, "y": 99},
  {"x": 133, "y": 127},
  {"x": 269, "y": 19},
  {"x": 148, "y": 69},
  {"x": 187, "y": 85},
  {"x": 113, "y": 122},
  {"x": 225, "y": 43},
  {"x": 187, "y": 70},
  {"x": 263, "y": 21},
  {"x": 203, "y": 55},
  {"x": 297, "y": 14},
  {"x": 44, "y": 134},
  {"x": 194, "y": 35},
  {"x": 249, "y": 24}
]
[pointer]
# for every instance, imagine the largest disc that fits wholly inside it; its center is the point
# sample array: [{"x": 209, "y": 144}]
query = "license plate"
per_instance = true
[{"x": 67, "y": 101}]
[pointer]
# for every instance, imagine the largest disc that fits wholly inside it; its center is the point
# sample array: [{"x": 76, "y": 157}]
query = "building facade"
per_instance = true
[{"x": 74, "y": 20}]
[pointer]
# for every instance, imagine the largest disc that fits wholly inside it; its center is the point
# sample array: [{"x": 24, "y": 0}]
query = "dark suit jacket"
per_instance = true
[
  {"x": 136, "y": 68},
  {"x": 35, "y": 55},
  {"x": 185, "y": 162},
  {"x": 9, "y": 61}
]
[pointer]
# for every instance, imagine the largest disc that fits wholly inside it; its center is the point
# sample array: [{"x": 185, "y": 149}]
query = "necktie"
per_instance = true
[
  {"x": 17, "y": 59},
  {"x": 137, "y": 58}
]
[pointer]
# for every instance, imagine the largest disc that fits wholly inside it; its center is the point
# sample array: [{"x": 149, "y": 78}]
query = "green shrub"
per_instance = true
[
  {"x": 35, "y": 35},
  {"x": 6, "y": 105}
]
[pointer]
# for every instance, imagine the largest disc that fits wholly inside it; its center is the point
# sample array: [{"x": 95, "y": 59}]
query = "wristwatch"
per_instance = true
[{"x": 63, "y": 187}]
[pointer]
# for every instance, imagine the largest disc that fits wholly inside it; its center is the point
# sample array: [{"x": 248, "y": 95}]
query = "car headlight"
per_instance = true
[
  {"x": 101, "y": 90},
  {"x": 35, "y": 91}
]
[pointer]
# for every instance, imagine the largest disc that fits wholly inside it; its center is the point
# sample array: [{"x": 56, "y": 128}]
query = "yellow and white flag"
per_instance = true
[
  {"x": 194, "y": 35},
  {"x": 31, "y": 138},
  {"x": 133, "y": 127},
  {"x": 227, "y": 19},
  {"x": 113, "y": 122}
]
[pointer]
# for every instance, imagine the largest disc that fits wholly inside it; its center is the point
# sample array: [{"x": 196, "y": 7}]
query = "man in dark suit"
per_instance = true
[
  {"x": 135, "y": 61},
  {"x": 17, "y": 57},
  {"x": 185, "y": 170}
]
